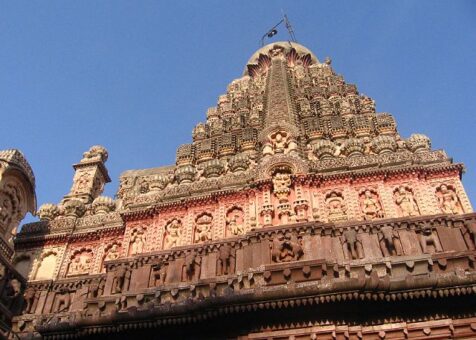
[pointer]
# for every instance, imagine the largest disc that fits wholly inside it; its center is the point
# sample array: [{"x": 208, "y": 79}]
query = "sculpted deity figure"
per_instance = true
[
  {"x": 191, "y": 268},
  {"x": 281, "y": 186},
  {"x": 279, "y": 142},
  {"x": 81, "y": 263},
  {"x": 353, "y": 244},
  {"x": 388, "y": 241},
  {"x": 173, "y": 233},
  {"x": 203, "y": 228},
  {"x": 370, "y": 205},
  {"x": 448, "y": 200},
  {"x": 137, "y": 242},
  {"x": 226, "y": 260},
  {"x": 112, "y": 253},
  {"x": 121, "y": 276},
  {"x": 235, "y": 221},
  {"x": 405, "y": 200},
  {"x": 62, "y": 301},
  {"x": 285, "y": 248},
  {"x": 336, "y": 206},
  {"x": 429, "y": 241},
  {"x": 30, "y": 298}
]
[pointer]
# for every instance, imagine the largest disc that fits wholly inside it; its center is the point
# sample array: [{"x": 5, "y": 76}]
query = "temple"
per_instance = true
[{"x": 296, "y": 212}]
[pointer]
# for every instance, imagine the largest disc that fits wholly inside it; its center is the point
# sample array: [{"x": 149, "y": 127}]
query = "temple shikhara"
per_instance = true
[{"x": 296, "y": 212}]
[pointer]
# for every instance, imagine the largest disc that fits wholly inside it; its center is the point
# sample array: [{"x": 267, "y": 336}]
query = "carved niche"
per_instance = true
[
  {"x": 203, "y": 228},
  {"x": 172, "y": 234},
  {"x": 80, "y": 262},
  {"x": 286, "y": 248},
  {"x": 137, "y": 241},
  {"x": 282, "y": 185},
  {"x": 226, "y": 260},
  {"x": 159, "y": 273},
  {"x": 336, "y": 206},
  {"x": 370, "y": 205},
  {"x": 279, "y": 142},
  {"x": 235, "y": 221},
  {"x": 111, "y": 253},
  {"x": 121, "y": 279},
  {"x": 448, "y": 199},
  {"x": 96, "y": 287},
  {"x": 405, "y": 200},
  {"x": 46, "y": 266}
]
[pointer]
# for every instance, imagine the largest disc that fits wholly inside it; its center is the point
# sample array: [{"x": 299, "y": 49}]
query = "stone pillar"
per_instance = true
[{"x": 90, "y": 176}]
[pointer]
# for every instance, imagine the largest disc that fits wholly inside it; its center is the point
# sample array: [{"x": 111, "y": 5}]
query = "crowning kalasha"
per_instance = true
[{"x": 297, "y": 212}]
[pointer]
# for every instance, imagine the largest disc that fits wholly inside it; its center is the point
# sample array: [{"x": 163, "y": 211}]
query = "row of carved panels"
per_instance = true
[
  {"x": 272, "y": 246},
  {"x": 140, "y": 287}
]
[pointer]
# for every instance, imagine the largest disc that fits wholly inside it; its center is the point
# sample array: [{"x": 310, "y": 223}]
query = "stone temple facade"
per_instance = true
[{"x": 296, "y": 212}]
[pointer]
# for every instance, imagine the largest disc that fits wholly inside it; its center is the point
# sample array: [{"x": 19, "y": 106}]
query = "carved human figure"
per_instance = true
[
  {"x": 159, "y": 273},
  {"x": 62, "y": 301},
  {"x": 448, "y": 200},
  {"x": 370, "y": 205},
  {"x": 470, "y": 234},
  {"x": 137, "y": 242},
  {"x": 351, "y": 240},
  {"x": 281, "y": 186},
  {"x": 388, "y": 241},
  {"x": 429, "y": 241},
  {"x": 121, "y": 276},
  {"x": 235, "y": 222},
  {"x": 406, "y": 201},
  {"x": 285, "y": 248},
  {"x": 80, "y": 263},
  {"x": 191, "y": 267},
  {"x": 112, "y": 253},
  {"x": 96, "y": 288},
  {"x": 29, "y": 296},
  {"x": 226, "y": 260},
  {"x": 203, "y": 228},
  {"x": 173, "y": 233},
  {"x": 336, "y": 207}
]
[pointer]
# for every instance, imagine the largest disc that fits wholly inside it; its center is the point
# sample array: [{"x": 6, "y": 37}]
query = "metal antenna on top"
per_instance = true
[{"x": 273, "y": 31}]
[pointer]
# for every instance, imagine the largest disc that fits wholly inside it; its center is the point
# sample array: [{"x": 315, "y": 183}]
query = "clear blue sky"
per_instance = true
[{"x": 136, "y": 76}]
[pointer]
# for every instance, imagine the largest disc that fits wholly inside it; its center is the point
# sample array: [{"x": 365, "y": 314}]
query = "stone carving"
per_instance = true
[
  {"x": 406, "y": 201},
  {"x": 388, "y": 239},
  {"x": 48, "y": 212},
  {"x": 226, "y": 260},
  {"x": 336, "y": 207},
  {"x": 235, "y": 221},
  {"x": 137, "y": 242},
  {"x": 112, "y": 253},
  {"x": 121, "y": 279},
  {"x": 96, "y": 288},
  {"x": 448, "y": 200},
  {"x": 2, "y": 272},
  {"x": 203, "y": 228},
  {"x": 281, "y": 186},
  {"x": 159, "y": 273},
  {"x": 14, "y": 288},
  {"x": 103, "y": 205},
  {"x": 470, "y": 235},
  {"x": 62, "y": 301},
  {"x": 95, "y": 153},
  {"x": 29, "y": 296},
  {"x": 279, "y": 142},
  {"x": 173, "y": 234},
  {"x": 80, "y": 263},
  {"x": 285, "y": 248},
  {"x": 191, "y": 267},
  {"x": 429, "y": 241},
  {"x": 370, "y": 205},
  {"x": 74, "y": 208},
  {"x": 9, "y": 209},
  {"x": 352, "y": 244}
]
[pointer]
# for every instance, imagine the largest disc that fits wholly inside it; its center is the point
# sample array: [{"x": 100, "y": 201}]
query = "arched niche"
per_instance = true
[{"x": 47, "y": 266}]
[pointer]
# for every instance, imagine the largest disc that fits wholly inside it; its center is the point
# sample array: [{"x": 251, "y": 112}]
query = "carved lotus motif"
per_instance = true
[
  {"x": 103, "y": 205},
  {"x": 48, "y": 212},
  {"x": 74, "y": 208},
  {"x": 353, "y": 147},
  {"x": 95, "y": 153},
  {"x": 418, "y": 143},
  {"x": 383, "y": 144},
  {"x": 238, "y": 163},
  {"x": 325, "y": 149},
  {"x": 385, "y": 124},
  {"x": 185, "y": 174}
]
